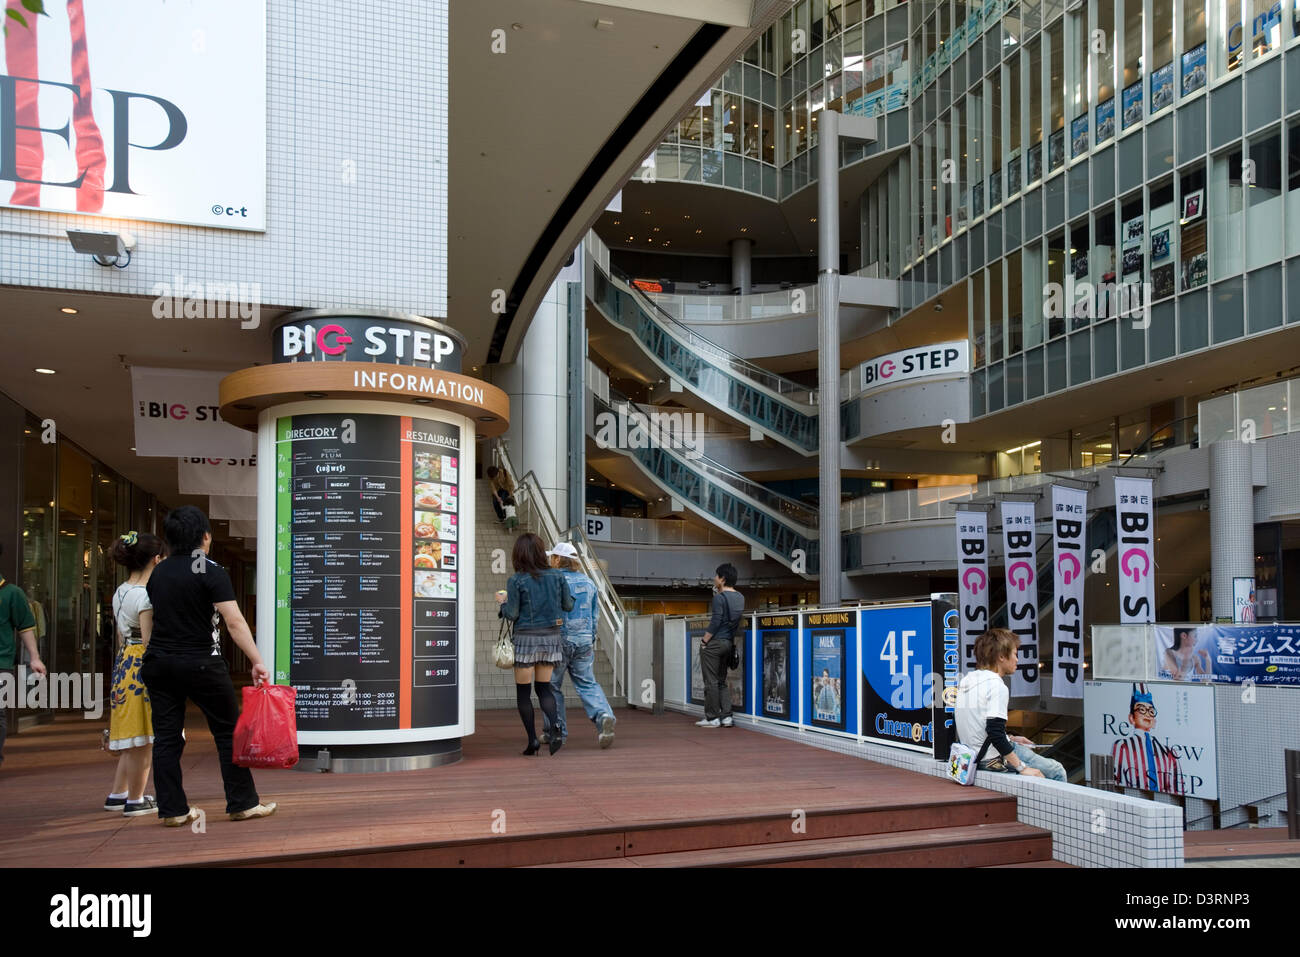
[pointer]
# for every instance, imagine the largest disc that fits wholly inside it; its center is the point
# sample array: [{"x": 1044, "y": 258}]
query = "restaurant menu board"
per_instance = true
[{"x": 367, "y": 540}]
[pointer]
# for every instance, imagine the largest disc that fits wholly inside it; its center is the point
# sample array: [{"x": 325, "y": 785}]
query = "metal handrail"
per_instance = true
[
  {"x": 1143, "y": 449},
  {"x": 788, "y": 509},
  {"x": 611, "y": 606}
]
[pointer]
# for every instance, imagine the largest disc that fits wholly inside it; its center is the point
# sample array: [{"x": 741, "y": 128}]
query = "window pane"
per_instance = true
[
  {"x": 1263, "y": 189},
  {"x": 1225, "y": 204}
]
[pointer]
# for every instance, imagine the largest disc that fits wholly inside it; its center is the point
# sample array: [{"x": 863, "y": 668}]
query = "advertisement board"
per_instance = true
[
  {"x": 735, "y": 678},
  {"x": 1159, "y": 736},
  {"x": 156, "y": 111},
  {"x": 898, "y": 676},
  {"x": 1266, "y": 654},
  {"x": 367, "y": 556},
  {"x": 830, "y": 698}
]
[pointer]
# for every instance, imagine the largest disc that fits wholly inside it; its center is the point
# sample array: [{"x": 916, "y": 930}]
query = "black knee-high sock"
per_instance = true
[
  {"x": 524, "y": 698},
  {"x": 547, "y": 699}
]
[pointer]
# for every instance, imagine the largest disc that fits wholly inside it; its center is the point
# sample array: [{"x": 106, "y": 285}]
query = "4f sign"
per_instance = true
[
  {"x": 94, "y": 120},
  {"x": 598, "y": 528}
]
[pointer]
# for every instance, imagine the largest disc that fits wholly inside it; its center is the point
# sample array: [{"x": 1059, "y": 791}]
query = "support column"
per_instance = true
[
  {"x": 828, "y": 354},
  {"x": 741, "y": 271},
  {"x": 1232, "y": 520}
]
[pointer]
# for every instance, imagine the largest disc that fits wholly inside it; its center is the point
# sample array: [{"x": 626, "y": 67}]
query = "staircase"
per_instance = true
[{"x": 495, "y": 687}]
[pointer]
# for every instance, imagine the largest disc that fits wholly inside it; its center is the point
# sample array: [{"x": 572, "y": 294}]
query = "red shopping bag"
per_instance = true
[{"x": 266, "y": 734}]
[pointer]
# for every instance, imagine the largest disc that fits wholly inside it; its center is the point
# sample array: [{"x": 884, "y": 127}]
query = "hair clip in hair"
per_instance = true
[{"x": 131, "y": 537}]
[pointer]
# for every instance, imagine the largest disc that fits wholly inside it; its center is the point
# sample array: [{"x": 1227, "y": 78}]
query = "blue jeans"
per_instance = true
[
  {"x": 1051, "y": 769},
  {"x": 579, "y": 659}
]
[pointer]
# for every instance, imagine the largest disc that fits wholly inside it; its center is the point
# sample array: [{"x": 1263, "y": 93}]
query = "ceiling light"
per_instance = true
[
  {"x": 68, "y": 311},
  {"x": 45, "y": 371}
]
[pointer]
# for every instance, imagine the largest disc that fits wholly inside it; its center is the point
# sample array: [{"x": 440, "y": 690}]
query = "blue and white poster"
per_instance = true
[
  {"x": 1132, "y": 99},
  {"x": 1184, "y": 652},
  {"x": 1105, "y": 120},
  {"x": 1162, "y": 87},
  {"x": 1194, "y": 69},
  {"x": 1159, "y": 737},
  {"x": 898, "y": 676},
  {"x": 830, "y": 641},
  {"x": 1079, "y": 136},
  {"x": 1265, "y": 654}
]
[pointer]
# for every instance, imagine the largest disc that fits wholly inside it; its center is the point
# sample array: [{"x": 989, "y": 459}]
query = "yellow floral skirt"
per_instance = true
[{"x": 130, "y": 723}]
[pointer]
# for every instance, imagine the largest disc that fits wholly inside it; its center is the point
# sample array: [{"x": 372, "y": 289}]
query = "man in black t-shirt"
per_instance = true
[{"x": 191, "y": 594}]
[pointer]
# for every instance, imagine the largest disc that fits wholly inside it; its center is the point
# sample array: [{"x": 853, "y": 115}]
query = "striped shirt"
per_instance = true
[{"x": 1141, "y": 761}]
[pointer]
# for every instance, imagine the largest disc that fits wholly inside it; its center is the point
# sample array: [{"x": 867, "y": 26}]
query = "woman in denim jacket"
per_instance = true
[{"x": 536, "y": 599}]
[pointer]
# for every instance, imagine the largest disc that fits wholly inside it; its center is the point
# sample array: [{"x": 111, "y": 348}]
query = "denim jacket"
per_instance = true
[
  {"x": 537, "y": 602},
  {"x": 580, "y": 623}
]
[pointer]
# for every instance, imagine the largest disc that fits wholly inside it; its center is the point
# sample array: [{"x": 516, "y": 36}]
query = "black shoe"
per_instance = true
[
  {"x": 557, "y": 742},
  {"x": 533, "y": 747}
]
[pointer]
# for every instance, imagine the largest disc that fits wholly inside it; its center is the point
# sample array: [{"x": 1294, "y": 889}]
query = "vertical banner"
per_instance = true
[
  {"x": 944, "y": 642},
  {"x": 1069, "y": 522},
  {"x": 1136, "y": 550},
  {"x": 1022, "y": 592},
  {"x": 972, "y": 581}
]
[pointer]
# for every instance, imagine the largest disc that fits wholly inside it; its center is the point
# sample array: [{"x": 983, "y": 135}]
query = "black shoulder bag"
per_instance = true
[{"x": 734, "y": 661}]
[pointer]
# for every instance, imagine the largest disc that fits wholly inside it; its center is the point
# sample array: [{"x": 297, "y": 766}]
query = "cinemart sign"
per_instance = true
[
  {"x": 151, "y": 110},
  {"x": 923, "y": 362}
]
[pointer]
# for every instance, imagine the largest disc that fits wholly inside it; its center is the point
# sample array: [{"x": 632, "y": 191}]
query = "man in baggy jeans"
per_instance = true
[
  {"x": 715, "y": 648},
  {"x": 579, "y": 650}
]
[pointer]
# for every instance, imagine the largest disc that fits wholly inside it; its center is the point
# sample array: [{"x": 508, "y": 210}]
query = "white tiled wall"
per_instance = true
[
  {"x": 1090, "y": 828},
  {"x": 363, "y": 81}
]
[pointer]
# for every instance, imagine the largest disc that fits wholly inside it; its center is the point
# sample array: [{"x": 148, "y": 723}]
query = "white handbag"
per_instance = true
[{"x": 505, "y": 649}]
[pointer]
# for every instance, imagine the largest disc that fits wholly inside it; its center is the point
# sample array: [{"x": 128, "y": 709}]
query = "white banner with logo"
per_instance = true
[
  {"x": 1136, "y": 550},
  {"x": 972, "y": 581},
  {"x": 1022, "y": 591},
  {"x": 195, "y": 476},
  {"x": 1070, "y": 556},
  {"x": 598, "y": 527},
  {"x": 944, "y": 358},
  {"x": 232, "y": 508},
  {"x": 130, "y": 111},
  {"x": 176, "y": 413}
]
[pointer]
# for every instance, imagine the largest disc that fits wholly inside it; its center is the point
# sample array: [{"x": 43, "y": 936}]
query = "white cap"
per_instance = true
[{"x": 564, "y": 550}]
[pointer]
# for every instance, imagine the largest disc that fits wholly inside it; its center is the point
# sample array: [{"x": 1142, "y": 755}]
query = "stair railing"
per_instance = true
[{"x": 530, "y": 496}]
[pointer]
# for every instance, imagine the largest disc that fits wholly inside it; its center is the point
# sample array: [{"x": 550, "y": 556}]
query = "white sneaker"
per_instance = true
[
  {"x": 708, "y": 723},
  {"x": 727, "y": 722}
]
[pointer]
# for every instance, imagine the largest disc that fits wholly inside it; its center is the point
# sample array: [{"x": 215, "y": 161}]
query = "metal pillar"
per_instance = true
[
  {"x": 828, "y": 355},
  {"x": 1232, "y": 521}
]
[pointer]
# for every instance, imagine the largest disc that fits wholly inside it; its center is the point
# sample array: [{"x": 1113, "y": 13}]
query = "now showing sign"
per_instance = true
[{"x": 923, "y": 362}]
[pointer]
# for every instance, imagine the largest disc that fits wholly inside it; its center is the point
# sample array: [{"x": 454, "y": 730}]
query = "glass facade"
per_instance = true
[{"x": 1075, "y": 170}]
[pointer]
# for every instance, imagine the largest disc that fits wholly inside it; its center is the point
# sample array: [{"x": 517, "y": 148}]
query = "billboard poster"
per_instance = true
[
  {"x": 898, "y": 676},
  {"x": 735, "y": 678},
  {"x": 366, "y": 575},
  {"x": 156, "y": 113},
  {"x": 1160, "y": 737},
  {"x": 1185, "y": 652},
  {"x": 1243, "y": 601},
  {"x": 1266, "y": 654},
  {"x": 1136, "y": 550},
  {"x": 1193, "y": 66},
  {"x": 1020, "y": 551},
  {"x": 774, "y": 691},
  {"x": 830, "y": 698},
  {"x": 1162, "y": 87},
  {"x": 1131, "y": 99},
  {"x": 1105, "y": 120},
  {"x": 1079, "y": 136}
]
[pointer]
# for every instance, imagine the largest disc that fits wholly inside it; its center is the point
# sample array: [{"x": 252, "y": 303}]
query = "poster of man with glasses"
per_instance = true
[{"x": 1162, "y": 740}]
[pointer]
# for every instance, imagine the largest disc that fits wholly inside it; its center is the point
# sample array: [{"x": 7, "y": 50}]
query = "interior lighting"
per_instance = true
[
  {"x": 68, "y": 311},
  {"x": 45, "y": 371}
]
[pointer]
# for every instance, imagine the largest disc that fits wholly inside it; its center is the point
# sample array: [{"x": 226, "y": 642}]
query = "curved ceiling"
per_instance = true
[{"x": 543, "y": 135}]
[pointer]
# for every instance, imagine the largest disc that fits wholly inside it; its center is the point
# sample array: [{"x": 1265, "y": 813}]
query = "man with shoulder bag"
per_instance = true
[{"x": 717, "y": 648}]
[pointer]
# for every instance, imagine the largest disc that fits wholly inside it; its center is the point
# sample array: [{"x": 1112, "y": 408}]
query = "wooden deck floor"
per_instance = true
[{"x": 661, "y": 772}]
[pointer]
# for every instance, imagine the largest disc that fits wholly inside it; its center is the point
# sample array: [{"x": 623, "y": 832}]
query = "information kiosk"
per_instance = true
[{"x": 365, "y": 519}]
